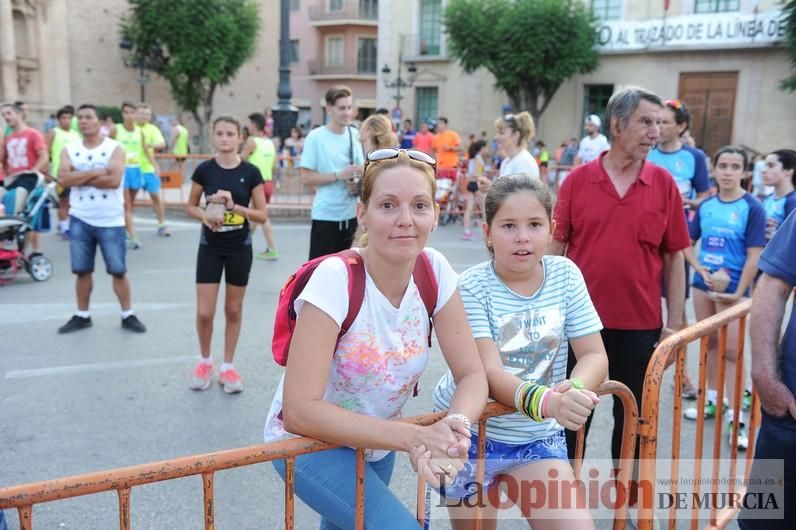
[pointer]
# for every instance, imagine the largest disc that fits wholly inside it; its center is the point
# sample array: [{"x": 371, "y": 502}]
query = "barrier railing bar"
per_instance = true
[
  {"x": 699, "y": 446},
  {"x": 359, "y": 522},
  {"x": 718, "y": 422},
  {"x": 124, "y": 508},
  {"x": 23, "y": 497},
  {"x": 209, "y": 500},
  {"x": 480, "y": 469},
  {"x": 676, "y": 425},
  {"x": 648, "y": 424},
  {"x": 26, "y": 517},
  {"x": 290, "y": 481}
]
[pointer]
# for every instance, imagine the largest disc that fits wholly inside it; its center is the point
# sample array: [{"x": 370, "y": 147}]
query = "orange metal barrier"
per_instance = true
[
  {"x": 122, "y": 480},
  {"x": 650, "y": 419},
  {"x": 288, "y": 193}
]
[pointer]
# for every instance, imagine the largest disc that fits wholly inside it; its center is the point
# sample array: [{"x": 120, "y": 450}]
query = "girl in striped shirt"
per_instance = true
[{"x": 524, "y": 307}]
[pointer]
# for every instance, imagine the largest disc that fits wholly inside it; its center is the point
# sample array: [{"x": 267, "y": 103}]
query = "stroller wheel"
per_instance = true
[{"x": 40, "y": 268}]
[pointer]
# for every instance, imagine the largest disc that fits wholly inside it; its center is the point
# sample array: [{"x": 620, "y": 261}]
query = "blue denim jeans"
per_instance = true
[
  {"x": 83, "y": 241},
  {"x": 775, "y": 440},
  {"x": 3, "y": 525},
  {"x": 326, "y": 482}
]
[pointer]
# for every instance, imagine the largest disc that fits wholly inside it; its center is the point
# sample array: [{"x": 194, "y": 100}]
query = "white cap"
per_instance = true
[{"x": 595, "y": 120}]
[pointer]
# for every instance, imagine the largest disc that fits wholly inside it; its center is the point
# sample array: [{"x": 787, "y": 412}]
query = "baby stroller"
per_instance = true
[{"x": 24, "y": 211}]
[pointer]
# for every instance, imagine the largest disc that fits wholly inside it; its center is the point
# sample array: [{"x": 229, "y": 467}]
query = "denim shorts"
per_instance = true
[
  {"x": 83, "y": 241},
  {"x": 501, "y": 458}
]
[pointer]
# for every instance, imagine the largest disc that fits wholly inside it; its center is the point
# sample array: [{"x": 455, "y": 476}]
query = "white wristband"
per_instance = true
[{"x": 461, "y": 417}]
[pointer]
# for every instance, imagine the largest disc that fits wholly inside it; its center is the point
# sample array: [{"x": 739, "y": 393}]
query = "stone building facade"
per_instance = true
[
  {"x": 724, "y": 58},
  {"x": 57, "y": 52}
]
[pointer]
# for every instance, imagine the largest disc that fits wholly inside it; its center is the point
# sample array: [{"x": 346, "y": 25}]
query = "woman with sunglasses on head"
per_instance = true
[
  {"x": 730, "y": 228},
  {"x": 349, "y": 391},
  {"x": 225, "y": 246}
]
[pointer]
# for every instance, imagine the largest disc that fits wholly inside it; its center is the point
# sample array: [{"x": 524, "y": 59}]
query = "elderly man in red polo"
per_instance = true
[{"x": 620, "y": 219}]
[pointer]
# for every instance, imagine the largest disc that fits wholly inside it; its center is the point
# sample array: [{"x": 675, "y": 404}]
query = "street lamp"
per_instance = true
[
  {"x": 399, "y": 82},
  {"x": 130, "y": 62},
  {"x": 285, "y": 113}
]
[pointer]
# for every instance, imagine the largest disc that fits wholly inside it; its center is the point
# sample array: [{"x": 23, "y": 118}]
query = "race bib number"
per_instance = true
[
  {"x": 715, "y": 243},
  {"x": 233, "y": 219}
]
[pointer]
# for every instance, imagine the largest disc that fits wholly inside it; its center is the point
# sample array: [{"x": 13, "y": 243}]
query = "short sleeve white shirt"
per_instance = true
[
  {"x": 382, "y": 357},
  {"x": 522, "y": 162},
  {"x": 590, "y": 148}
]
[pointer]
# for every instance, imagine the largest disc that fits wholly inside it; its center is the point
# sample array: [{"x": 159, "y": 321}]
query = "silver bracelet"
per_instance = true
[{"x": 461, "y": 417}]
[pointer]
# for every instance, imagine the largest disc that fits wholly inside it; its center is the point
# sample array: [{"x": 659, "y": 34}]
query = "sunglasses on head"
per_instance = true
[{"x": 388, "y": 153}]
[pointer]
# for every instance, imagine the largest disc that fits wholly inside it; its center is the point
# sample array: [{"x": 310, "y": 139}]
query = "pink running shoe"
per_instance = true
[
  {"x": 200, "y": 377},
  {"x": 468, "y": 235},
  {"x": 231, "y": 381}
]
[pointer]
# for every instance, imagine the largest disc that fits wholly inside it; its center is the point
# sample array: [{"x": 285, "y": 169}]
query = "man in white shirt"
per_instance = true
[
  {"x": 93, "y": 169},
  {"x": 593, "y": 143}
]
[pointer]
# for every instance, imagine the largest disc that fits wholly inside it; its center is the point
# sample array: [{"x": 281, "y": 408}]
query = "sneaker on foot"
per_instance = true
[
  {"x": 75, "y": 323},
  {"x": 743, "y": 434},
  {"x": 200, "y": 377},
  {"x": 467, "y": 235},
  {"x": 133, "y": 324},
  {"x": 133, "y": 243},
  {"x": 269, "y": 255},
  {"x": 231, "y": 381},
  {"x": 163, "y": 231},
  {"x": 746, "y": 400},
  {"x": 709, "y": 412}
]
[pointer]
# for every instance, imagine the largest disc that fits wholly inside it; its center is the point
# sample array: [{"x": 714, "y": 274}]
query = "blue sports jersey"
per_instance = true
[
  {"x": 726, "y": 230},
  {"x": 687, "y": 166},
  {"x": 777, "y": 210}
]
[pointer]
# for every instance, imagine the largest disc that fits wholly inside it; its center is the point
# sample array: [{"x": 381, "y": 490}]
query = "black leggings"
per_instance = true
[
  {"x": 629, "y": 353},
  {"x": 235, "y": 264}
]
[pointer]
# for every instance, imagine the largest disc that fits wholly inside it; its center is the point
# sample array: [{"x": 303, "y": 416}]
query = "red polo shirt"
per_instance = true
[{"x": 619, "y": 243}]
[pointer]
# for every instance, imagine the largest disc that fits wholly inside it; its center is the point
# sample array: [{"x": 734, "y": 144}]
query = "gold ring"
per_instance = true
[{"x": 449, "y": 468}]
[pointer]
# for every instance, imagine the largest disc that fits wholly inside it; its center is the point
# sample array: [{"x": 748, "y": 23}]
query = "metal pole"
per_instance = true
[
  {"x": 285, "y": 114},
  {"x": 142, "y": 81}
]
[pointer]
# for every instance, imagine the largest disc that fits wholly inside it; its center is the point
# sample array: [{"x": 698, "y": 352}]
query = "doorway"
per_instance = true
[{"x": 710, "y": 98}]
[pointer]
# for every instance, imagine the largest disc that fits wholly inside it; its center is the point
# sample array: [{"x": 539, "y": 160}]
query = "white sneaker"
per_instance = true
[{"x": 743, "y": 433}]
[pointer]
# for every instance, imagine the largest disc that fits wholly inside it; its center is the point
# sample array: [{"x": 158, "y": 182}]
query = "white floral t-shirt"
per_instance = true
[{"x": 381, "y": 358}]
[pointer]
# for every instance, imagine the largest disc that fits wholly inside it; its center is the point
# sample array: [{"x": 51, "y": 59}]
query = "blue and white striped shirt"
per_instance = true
[{"x": 530, "y": 332}]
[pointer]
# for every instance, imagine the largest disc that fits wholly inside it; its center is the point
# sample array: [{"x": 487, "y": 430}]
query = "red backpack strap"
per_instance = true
[
  {"x": 427, "y": 285},
  {"x": 356, "y": 287}
]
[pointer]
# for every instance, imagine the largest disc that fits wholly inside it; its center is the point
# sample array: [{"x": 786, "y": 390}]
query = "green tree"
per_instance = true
[
  {"x": 196, "y": 45},
  {"x": 530, "y": 46},
  {"x": 789, "y": 10}
]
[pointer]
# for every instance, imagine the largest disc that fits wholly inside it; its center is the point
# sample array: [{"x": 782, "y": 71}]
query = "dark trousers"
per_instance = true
[
  {"x": 328, "y": 237},
  {"x": 776, "y": 441},
  {"x": 629, "y": 353}
]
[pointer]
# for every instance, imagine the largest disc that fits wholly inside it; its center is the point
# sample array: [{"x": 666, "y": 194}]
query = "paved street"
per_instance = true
[{"x": 105, "y": 398}]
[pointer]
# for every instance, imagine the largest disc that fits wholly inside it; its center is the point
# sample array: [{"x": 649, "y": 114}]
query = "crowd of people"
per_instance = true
[{"x": 569, "y": 293}]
